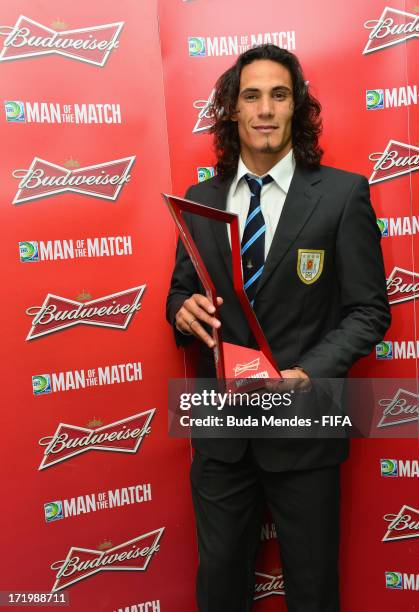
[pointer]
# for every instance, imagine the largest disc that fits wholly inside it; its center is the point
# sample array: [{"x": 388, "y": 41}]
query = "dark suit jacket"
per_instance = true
[{"x": 324, "y": 327}]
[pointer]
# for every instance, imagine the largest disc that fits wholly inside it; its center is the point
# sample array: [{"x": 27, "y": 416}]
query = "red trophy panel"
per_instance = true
[{"x": 237, "y": 367}]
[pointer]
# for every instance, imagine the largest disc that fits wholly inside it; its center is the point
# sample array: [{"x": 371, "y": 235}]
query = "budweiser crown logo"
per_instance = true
[
  {"x": 84, "y": 296},
  {"x": 57, "y": 313},
  {"x": 133, "y": 555},
  {"x": 58, "y": 24},
  {"x": 43, "y": 179},
  {"x": 244, "y": 367},
  {"x": 397, "y": 159},
  {"x": 95, "y": 422},
  {"x": 403, "y": 526},
  {"x": 105, "y": 545},
  {"x": 71, "y": 163},
  {"x": 392, "y": 27},
  {"x": 28, "y": 38},
  {"x": 124, "y": 436}
]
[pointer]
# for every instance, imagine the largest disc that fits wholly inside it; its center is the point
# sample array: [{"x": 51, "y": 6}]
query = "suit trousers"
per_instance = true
[{"x": 229, "y": 499}]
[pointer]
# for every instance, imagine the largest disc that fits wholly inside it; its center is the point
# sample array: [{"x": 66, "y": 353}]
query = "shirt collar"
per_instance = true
[{"x": 281, "y": 173}]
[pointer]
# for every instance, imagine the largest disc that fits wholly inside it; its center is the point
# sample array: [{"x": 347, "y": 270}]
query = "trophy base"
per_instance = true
[{"x": 246, "y": 368}]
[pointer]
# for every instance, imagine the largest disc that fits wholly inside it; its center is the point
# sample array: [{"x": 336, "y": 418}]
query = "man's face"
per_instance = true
[{"x": 264, "y": 111}]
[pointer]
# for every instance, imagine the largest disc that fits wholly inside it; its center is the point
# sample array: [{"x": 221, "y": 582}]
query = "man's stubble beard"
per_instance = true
[{"x": 269, "y": 148}]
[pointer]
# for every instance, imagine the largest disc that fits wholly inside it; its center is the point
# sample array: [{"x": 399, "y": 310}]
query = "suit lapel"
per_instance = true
[
  {"x": 219, "y": 230},
  {"x": 301, "y": 200}
]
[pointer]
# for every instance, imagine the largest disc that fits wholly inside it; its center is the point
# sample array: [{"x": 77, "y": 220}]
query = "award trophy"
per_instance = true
[{"x": 237, "y": 366}]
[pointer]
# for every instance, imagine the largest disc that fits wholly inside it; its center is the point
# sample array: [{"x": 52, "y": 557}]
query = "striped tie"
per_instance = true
[{"x": 253, "y": 241}]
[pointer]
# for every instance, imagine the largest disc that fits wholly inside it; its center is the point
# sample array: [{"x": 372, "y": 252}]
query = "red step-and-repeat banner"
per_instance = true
[{"x": 105, "y": 106}]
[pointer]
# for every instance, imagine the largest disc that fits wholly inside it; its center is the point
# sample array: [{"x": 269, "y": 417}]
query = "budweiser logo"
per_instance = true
[
  {"x": 251, "y": 366},
  {"x": 402, "y": 408},
  {"x": 392, "y": 27},
  {"x": 403, "y": 525},
  {"x": 402, "y": 286},
  {"x": 205, "y": 119},
  {"x": 397, "y": 159},
  {"x": 115, "y": 310},
  {"x": 44, "y": 179},
  {"x": 123, "y": 436},
  {"x": 28, "y": 38},
  {"x": 267, "y": 585},
  {"x": 134, "y": 555}
]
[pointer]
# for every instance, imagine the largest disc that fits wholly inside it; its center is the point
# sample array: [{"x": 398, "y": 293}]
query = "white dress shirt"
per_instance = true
[{"x": 272, "y": 196}]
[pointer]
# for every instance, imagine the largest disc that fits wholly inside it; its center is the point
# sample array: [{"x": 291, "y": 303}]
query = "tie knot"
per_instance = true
[{"x": 256, "y": 183}]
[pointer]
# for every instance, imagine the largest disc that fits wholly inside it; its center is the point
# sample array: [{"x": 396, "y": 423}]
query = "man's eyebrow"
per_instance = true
[
  {"x": 281, "y": 88},
  {"x": 249, "y": 90},
  {"x": 256, "y": 89}
]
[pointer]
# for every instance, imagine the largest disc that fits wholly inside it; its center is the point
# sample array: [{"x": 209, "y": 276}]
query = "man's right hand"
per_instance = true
[{"x": 196, "y": 310}]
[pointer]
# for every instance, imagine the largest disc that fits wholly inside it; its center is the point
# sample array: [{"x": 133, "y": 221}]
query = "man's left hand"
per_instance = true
[
  {"x": 295, "y": 373},
  {"x": 295, "y": 379}
]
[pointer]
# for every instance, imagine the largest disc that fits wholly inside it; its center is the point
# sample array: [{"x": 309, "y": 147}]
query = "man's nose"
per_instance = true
[{"x": 266, "y": 106}]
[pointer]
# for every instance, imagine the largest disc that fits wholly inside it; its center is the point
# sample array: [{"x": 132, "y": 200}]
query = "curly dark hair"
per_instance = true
[{"x": 306, "y": 121}]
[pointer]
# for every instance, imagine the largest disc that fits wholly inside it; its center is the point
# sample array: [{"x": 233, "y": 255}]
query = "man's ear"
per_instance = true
[{"x": 234, "y": 116}]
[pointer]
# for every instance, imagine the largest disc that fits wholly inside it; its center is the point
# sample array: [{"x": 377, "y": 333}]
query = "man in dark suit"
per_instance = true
[{"x": 314, "y": 274}]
